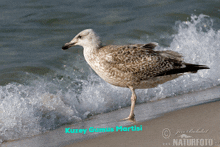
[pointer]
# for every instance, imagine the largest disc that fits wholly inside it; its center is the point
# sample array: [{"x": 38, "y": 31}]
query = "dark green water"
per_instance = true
[
  {"x": 32, "y": 32},
  {"x": 43, "y": 87}
]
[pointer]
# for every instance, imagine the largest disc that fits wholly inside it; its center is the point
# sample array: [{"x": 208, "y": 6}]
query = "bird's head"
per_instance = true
[{"x": 86, "y": 38}]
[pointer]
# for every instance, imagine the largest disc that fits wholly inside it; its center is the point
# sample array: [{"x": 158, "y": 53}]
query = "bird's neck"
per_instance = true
[
  {"x": 91, "y": 49},
  {"x": 90, "y": 53}
]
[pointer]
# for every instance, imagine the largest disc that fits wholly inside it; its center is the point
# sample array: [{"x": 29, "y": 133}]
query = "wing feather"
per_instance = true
[{"x": 140, "y": 60}]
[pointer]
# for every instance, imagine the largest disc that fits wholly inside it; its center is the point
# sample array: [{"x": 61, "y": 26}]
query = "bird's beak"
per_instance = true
[{"x": 68, "y": 45}]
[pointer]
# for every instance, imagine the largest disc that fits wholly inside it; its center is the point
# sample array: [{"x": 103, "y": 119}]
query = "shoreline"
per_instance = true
[
  {"x": 163, "y": 111},
  {"x": 199, "y": 122}
]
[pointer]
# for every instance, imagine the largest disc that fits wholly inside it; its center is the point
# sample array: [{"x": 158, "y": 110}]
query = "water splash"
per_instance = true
[{"x": 74, "y": 92}]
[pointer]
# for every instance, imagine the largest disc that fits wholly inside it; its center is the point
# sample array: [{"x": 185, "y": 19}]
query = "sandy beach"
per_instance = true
[
  {"x": 177, "y": 121},
  {"x": 193, "y": 126},
  {"x": 50, "y": 96}
]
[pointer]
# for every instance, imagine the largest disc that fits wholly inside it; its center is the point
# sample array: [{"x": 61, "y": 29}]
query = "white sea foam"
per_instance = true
[{"x": 75, "y": 92}]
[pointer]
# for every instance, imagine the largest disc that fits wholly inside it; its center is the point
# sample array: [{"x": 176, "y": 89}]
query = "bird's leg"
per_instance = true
[{"x": 133, "y": 100}]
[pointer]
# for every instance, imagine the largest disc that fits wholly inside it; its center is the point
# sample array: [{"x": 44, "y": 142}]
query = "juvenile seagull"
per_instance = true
[{"x": 135, "y": 66}]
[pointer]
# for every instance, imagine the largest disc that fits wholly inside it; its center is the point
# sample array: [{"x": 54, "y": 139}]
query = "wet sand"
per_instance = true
[
  {"x": 189, "y": 116},
  {"x": 199, "y": 125}
]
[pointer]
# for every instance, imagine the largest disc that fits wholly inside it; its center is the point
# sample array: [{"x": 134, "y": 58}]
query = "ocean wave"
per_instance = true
[{"x": 74, "y": 92}]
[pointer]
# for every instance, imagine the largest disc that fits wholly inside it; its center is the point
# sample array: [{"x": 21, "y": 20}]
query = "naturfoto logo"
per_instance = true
[
  {"x": 116, "y": 129},
  {"x": 187, "y": 138}
]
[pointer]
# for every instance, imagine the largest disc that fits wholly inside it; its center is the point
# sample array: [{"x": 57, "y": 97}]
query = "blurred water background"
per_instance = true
[{"x": 43, "y": 87}]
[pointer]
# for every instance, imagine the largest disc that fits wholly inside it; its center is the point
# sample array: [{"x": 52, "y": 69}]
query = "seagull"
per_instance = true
[{"x": 136, "y": 66}]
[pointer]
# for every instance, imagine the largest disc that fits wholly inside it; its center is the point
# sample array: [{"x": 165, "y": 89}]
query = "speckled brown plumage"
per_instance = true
[
  {"x": 137, "y": 62},
  {"x": 136, "y": 66}
]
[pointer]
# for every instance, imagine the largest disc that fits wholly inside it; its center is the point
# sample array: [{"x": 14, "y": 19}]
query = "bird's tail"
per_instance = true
[{"x": 194, "y": 67}]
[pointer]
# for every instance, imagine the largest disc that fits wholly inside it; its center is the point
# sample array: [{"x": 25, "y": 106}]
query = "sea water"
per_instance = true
[{"x": 42, "y": 90}]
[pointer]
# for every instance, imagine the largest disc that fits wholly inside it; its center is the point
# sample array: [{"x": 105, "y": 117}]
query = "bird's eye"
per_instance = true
[{"x": 79, "y": 37}]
